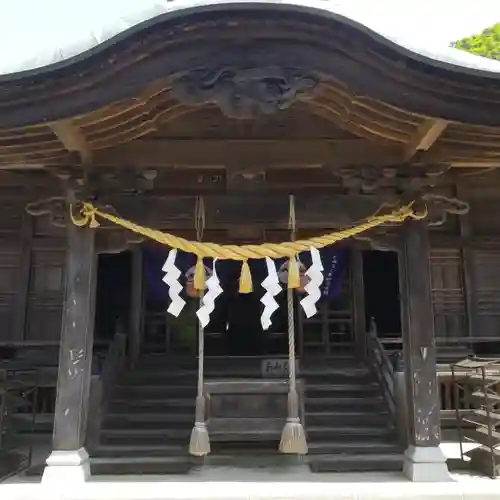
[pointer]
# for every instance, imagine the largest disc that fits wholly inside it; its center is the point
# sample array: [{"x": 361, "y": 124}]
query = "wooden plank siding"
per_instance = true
[
  {"x": 487, "y": 271},
  {"x": 12, "y": 277},
  {"x": 484, "y": 255},
  {"x": 32, "y": 262},
  {"x": 448, "y": 295}
]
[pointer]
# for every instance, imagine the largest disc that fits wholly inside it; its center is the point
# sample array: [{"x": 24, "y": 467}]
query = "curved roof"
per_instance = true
[
  {"x": 74, "y": 28},
  {"x": 109, "y": 81}
]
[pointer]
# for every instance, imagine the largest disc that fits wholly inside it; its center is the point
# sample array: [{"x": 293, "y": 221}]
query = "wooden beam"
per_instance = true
[
  {"x": 73, "y": 139},
  {"x": 250, "y": 154},
  {"x": 427, "y": 134},
  {"x": 226, "y": 211}
]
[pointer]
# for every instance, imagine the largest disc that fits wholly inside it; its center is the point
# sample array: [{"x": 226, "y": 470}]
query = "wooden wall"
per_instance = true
[
  {"x": 32, "y": 261},
  {"x": 13, "y": 249},
  {"x": 465, "y": 262},
  {"x": 482, "y": 255},
  {"x": 448, "y": 294},
  {"x": 46, "y": 283}
]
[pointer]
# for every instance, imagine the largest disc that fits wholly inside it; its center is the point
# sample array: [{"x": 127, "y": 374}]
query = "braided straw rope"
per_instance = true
[{"x": 88, "y": 214}]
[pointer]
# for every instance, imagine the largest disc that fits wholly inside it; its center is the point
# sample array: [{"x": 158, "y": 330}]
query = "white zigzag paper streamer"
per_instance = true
[
  {"x": 171, "y": 278},
  {"x": 315, "y": 273},
  {"x": 213, "y": 290},
  {"x": 272, "y": 286}
]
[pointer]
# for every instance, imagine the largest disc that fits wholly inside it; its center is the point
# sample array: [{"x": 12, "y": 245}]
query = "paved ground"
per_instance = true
[{"x": 221, "y": 483}]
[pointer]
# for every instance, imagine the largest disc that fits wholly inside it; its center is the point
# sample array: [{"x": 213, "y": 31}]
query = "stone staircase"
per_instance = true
[
  {"x": 149, "y": 420},
  {"x": 348, "y": 425},
  {"x": 148, "y": 423}
]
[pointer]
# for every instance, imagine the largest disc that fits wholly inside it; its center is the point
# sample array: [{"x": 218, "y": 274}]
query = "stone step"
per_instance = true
[
  {"x": 162, "y": 434},
  {"x": 262, "y": 460},
  {"x": 169, "y": 435},
  {"x": 140, "y": 450},
  {"x": 148, "y": 361},
  {"x": 347, "y": 433},
  {"x": 140, "y": 424},
  {"x": 140, "y": 465},
  {"x": 358, "y": 447},
  {"x": 162, "y": 419},
  {"x": 342, "y": 401},
  {"x": 146, "y": 436},
  {"x": 330, "y": 372},
  {"x": 185, "y": 376},
  {"x": 133, "y": 464},
  {"x": 324, "y": 391},
  {"x": 189, "y": 390},
  {"x": 152, "y": 405},
  {"x": 162, "y": 392},
  {"x": 152, "y": 420},
  {"x": 348, "y": 416},
  {"x": 376, "y": 462}
]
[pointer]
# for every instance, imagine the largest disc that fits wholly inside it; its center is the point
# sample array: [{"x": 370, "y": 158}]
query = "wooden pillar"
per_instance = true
[
  {"x": 24, "y": 275},
  {"x": 358, "y": 294},
  {"x": 69, "y": 459},
  {"x": 424, "y": 460},
  {"x": 468, "y": 269},
  {"x": 135, "y": 335}
]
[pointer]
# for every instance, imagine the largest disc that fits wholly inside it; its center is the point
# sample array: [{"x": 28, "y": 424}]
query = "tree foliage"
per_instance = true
[{"x": 486, "y": 44}]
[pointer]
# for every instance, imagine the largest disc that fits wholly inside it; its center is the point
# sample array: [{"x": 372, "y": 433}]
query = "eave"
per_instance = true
[{"x": 103, "y": 102}]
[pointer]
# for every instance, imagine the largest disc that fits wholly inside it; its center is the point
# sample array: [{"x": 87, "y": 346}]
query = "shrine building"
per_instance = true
[{"x": 237, "y": 233}]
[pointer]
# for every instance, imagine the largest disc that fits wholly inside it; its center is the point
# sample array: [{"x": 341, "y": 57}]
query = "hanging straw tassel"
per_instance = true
[
  {"x": 199, "y": 274},
  {"x": 246, "y": 279},
  {"x": 199, "y": 444},
  {"x": 293, "y": 436},
  {"x": 293, "y": 273}
]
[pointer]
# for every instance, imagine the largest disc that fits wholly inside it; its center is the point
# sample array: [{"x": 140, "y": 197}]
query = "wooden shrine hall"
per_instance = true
[{"x": 255, "y": 125}]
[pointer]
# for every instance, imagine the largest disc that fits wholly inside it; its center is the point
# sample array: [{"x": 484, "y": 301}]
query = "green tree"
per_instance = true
[{"x": 486, "y": 44}]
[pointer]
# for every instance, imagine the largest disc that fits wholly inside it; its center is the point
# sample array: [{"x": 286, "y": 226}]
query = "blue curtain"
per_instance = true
[{"x": 334, "y": 262}]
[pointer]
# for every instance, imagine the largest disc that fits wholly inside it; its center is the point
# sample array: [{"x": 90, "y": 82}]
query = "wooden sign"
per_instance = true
[{"x": 276, "y": 367}]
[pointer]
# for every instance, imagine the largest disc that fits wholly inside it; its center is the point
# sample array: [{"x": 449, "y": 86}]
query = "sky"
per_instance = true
[
  {"x": 437, "y": 22},
  {"x": 37, "y": 29}
]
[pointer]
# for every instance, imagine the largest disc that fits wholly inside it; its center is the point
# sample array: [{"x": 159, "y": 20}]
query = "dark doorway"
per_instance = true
[
  {"x": 237, "y": 321},
  {"x": 113, "y": 297},
  {"x": 381, "y": 280},
  {"x": 235, "y": 324},
  {"x": 235, "y": 328}
]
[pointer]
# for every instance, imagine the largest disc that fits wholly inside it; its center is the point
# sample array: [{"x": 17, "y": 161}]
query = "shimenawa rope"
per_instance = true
[{"x": 88, "y": 213}]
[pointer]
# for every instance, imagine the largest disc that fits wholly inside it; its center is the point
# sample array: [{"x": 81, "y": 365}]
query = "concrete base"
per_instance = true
[
  {"x": 426, "y": 465},
  {"x": 67, "y": 467}
]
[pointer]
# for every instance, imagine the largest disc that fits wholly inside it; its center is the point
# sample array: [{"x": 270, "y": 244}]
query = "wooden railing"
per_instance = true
[
  {"x": 383, "y": 368},
  {"x": 114, "y": 363},
  {"x": 445, "y": 383},
  {"x": 103, "y": 384}
]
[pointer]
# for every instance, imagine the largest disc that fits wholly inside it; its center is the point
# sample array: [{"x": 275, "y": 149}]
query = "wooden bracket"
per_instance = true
[
  {"x": 72, "y": 138},
  {"x": 427, "y": 134}
]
